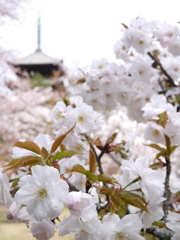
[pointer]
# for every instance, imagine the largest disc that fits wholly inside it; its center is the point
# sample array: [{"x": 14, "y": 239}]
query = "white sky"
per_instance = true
[{"x": 79, "y": 31}]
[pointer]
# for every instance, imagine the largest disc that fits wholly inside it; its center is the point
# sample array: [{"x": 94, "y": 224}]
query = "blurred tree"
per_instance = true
[{"x": 9, "y": 9}]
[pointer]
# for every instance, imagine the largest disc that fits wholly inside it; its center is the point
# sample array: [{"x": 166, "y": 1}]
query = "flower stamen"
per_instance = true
[{"x": 40, "y": 194}]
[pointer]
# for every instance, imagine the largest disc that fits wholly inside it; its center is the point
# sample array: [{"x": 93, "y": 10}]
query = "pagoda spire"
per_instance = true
[{"x": 39, "y": 34}]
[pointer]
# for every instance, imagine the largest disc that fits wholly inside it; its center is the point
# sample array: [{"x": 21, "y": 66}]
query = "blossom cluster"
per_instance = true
[
  {"x": 147, "y": 55},
  {"x": 55, "y": 173}
]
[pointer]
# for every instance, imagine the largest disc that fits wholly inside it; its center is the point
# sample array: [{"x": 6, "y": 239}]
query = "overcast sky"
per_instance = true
[{"x": 79, "y": 31}]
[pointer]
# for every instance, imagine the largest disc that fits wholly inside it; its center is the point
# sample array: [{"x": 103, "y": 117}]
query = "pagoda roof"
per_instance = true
[{"x": 37, "y": 58}]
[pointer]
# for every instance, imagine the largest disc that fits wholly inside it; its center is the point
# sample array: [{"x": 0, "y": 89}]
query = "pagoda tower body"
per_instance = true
[{"x": 40, "y": 62}]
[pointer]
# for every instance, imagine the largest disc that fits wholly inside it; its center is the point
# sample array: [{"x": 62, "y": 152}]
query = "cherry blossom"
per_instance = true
[{"x": 43, "y": 193}]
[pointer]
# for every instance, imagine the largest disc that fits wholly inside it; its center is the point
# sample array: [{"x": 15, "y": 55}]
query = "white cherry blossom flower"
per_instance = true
[
  {"x": 86, "y": 118},
  {"x": 43, "y": 193},
  {"x": 136, "y": 38},
  {"x": 81, "y": 205},
  {"x": 174, "y": 183},
  {"x": 88, "y": 230},
  {"x": 109, "y": 222},
  {"x": 17, "y": 212},
  {"x": 128, "y": 227},
  {"x": 141, "y": 69},
  {"x": 5, "y": 196},
  {"x": 174, "y": 224},
  {"x": 98, "y": 66},
  {"x": 43, "y": 230},
  {"x": 173, "y": 132},
  {"x": 76, "y": 100},
  {"x": 154, "y": 133},
  {"x": 57, "y": 113},
  {"x": 155, "y": 212},
  {"x": 158, "y": 104},
  {"x": 152, "y": 181}
]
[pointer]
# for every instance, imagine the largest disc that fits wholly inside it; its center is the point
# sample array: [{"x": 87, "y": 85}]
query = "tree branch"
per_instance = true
[
  {"x": 98, "y": 159},
  {"x": 167, "y": 191},
  {"x": 163, "y": 70},
  {"x": 161, "y": 233}
]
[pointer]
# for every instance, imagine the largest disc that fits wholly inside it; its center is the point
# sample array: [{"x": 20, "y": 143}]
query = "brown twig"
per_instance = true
[
  {"x": 163, "y": 70},
  {"x": 103, "y": 151},
  {"x": 167, "y": 190},
  {"x": 97, "y": 159},
  {"x": 161, "y": 233}
]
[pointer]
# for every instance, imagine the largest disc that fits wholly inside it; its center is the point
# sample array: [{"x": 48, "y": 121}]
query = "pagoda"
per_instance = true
[{"x": 39, "y": 62}]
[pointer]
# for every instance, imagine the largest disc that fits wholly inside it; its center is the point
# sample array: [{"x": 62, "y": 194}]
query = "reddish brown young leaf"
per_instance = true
[
  {"x": 111, "y": 139},
  {"x": 28, "y": 145},
  {"x": 92, "y": 161},
  {"x": 78, "y": 168},
  {"x": 24, "y": 161},
  {"x": 168, "y": 142},
  {"x": 44, "y": 153},
  {"x": 125, "y": 26},
  {"x": 98, "y": 143},
  {"x": 134, "y": 200},
  {"x": 105, "y": 190},
  {"x": 59, "y": 140},
  {"x": 81, "y": 80},
  {"x": 62, "y": 147}
]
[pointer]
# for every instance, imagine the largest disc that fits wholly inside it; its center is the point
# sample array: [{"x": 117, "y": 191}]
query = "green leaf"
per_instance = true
[
  {"x": 134, "y": 200},
  {"x": 157, "y": 147},
  {"x": 79, "y": 168},
  {"x": 101, "y": 178},
  {"x": 135, "y": 180},
  {"x": 28, "y": 145},
  {"x": 162, "y": 119},
  {"x": 106, "y": 179},
  {"x": 14, "y": 183},
  {"x": 14, "y": 179},
  {"x": 64, "y": 154},
  {"x": 171, "y": 150},
  {"x": 122, "y": 209},
  {"x": 62, "y": 147},
  {"x": 91, "y": 176},
  {"x": 59, "y": 140},
  {"x": 115, "y": 199},
  {"x": 158, "y": 155},
  {"x": 159, "y": 224}
]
